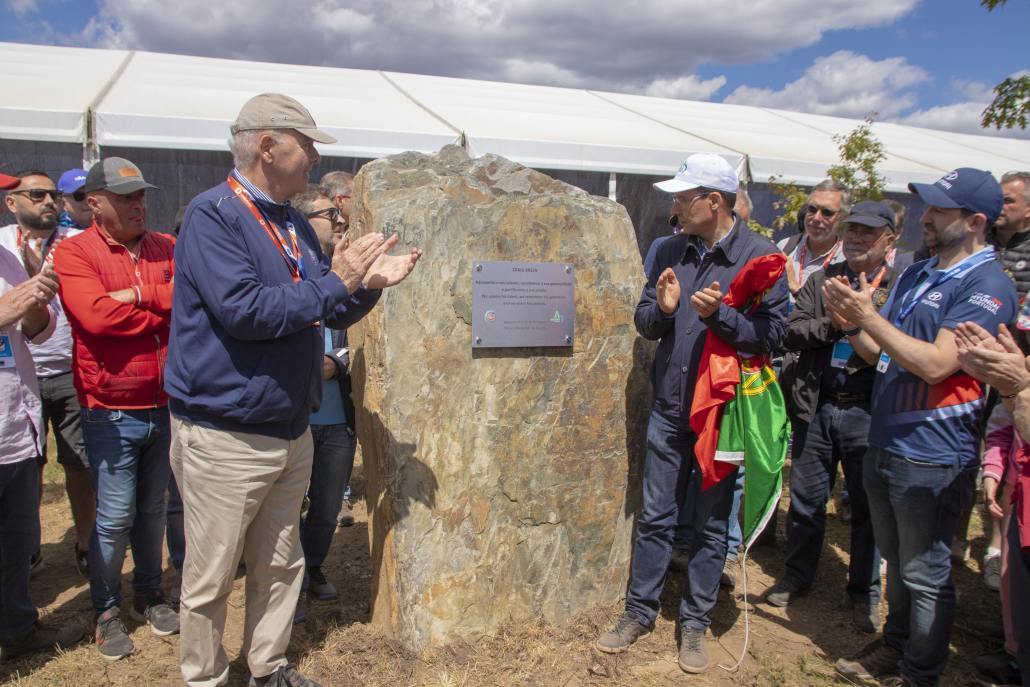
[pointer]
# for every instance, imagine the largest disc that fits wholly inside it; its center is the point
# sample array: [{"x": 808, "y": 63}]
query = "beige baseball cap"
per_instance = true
[{"x": 278, "y": 111}]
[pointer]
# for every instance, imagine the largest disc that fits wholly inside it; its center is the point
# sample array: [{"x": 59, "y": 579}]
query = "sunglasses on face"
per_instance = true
[
  {"x": 78, "y": 196},
  {"x": 825, "y": 212},
  {"x": 37, "y": 195},
  {"x": 331, "y": 214}
]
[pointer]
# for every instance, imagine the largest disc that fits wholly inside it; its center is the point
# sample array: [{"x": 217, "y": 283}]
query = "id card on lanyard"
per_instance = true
[
  {"x": 291, "y": 253},
  {"x": 6, "y": 352},
  {"x": 912, "y": 297}
]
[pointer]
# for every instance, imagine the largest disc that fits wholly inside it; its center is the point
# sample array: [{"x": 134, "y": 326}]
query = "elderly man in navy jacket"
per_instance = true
[
  {"x": 252, "y": 291},
  {"x": 681, "y": 303}
]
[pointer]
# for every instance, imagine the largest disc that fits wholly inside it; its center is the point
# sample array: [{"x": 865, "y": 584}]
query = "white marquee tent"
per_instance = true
[{"x": 120, "y": 99}]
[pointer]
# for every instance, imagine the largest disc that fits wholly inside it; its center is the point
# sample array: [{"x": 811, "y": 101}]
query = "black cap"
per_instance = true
[{"x": 872, "y": 213}]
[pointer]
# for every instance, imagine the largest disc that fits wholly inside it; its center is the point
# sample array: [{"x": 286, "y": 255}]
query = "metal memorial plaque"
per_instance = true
[{"x": 521, "y": 304}]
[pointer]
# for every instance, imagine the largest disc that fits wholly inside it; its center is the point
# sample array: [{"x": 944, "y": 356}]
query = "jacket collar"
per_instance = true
[{"x": 731, "y": 245}]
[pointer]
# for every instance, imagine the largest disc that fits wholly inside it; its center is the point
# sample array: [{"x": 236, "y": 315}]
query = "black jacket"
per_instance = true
[
  {"x": 811, "y": 333},
  {"x": 1015, "y": 258}
]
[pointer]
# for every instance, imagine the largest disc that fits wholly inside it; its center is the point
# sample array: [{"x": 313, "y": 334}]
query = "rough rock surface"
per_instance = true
[{"x": 501, "y": 482}]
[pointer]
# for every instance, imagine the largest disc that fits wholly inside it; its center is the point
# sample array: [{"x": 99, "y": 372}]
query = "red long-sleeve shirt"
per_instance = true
[{"x": 119, "y": 352}]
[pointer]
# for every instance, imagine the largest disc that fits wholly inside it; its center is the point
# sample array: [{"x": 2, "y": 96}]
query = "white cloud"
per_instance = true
[
  {"x": 23, "y": 7},
  {"x": 843, "y": 84},
  {"x": 685, "y": 87},
  {"x": 633, "y": 47}
]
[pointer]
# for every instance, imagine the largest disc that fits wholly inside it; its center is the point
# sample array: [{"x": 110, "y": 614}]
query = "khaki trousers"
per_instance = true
[{"x": 242, "y": 495}]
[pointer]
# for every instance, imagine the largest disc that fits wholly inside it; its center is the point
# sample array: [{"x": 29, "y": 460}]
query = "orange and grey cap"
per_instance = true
[
  {"x": 278, "y": 111},
  {"x": 117, "y": 175}
]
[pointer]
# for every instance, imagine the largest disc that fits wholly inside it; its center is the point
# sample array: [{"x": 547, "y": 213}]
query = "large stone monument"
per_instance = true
[{"x": 501, "y": 482}]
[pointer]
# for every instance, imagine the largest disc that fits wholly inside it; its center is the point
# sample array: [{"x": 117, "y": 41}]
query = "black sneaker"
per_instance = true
[
  {"x": 82, "y": 561},
  {"x": 36, "y": 564},
  {"x": 300, "y": 613},
  {"x": 153, "y": 611},
  {"x": 783, "y": 593},
  {"x": 284, "y": 676},
  {"x": 870, "y": 664},
  {"x": 319, "y": 587},
  {"x": 42, "y": 638},
  {"x": 997, "y": 670},
  {"x": 112, "y": 640},
  {"x": 693, "y": 657},
  {"x": 346, "y": 517},
  {"x": 626, "y": 631}
]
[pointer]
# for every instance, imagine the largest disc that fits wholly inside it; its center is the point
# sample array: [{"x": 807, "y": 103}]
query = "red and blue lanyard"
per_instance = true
[{"x": 291, "y": 253}]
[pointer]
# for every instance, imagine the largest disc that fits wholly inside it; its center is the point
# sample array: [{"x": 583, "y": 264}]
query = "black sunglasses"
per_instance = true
[
  {"x": 825, "y": 212},
  {"x": 79, "y": 196},
  {"x": 331, "y": 214},
  {"x": 38, "y": 194}
]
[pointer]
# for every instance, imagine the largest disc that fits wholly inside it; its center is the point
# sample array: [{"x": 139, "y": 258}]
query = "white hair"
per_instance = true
[{"x": 244, "y": 146}]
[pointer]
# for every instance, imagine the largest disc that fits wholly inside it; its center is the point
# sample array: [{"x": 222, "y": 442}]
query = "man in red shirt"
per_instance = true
[{"x": 117, "y": 292}]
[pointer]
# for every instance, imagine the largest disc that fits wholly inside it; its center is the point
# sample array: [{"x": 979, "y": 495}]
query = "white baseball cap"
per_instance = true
[{"x": 702, "y": 169}]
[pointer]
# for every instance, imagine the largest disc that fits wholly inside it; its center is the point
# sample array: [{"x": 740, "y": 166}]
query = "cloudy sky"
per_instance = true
[{"x": 925, "y": 62}]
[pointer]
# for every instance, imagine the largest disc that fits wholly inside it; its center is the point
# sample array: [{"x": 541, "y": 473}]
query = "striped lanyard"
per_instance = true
[
  {"x": 801, "y": 254},
  {"x": 291, "y": 253},
  {"x": 912, "y": 296}
]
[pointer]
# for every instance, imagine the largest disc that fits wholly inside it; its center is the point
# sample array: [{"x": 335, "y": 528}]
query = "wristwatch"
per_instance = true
[{"x": 851, "y": 332}]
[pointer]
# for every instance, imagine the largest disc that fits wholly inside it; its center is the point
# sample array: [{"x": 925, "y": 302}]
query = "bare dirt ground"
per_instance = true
[{"x": 338, "y": 646}]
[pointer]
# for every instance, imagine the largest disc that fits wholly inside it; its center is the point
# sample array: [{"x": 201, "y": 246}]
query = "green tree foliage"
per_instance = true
[
  {"x": 1011, "y": 105},
  {"x": 860, "y": 153}
]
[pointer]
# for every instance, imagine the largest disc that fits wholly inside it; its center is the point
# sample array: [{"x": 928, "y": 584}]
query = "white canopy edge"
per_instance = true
[{"x": 156, "y": 100}]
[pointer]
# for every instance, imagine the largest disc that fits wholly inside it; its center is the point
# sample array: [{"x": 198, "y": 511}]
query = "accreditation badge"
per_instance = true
[{"x": 6, "y": 352}]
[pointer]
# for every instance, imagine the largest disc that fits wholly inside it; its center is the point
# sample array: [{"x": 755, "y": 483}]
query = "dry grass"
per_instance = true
[{"x": 338, "y": 646}]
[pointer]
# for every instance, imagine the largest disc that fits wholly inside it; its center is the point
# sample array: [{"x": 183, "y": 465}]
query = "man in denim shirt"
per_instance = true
[{"x": 697, "y": 264}]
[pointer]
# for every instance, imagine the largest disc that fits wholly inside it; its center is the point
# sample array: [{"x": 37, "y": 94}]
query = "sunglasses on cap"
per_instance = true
[
  {"x": 332, "y": 214},
  {"x": 37, "y": 195},
  {"x": 825, "y": 212}
]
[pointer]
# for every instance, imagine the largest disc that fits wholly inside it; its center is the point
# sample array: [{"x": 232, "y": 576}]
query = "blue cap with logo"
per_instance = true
[
  {"x": 71, "y": 181},
  {"x": 967, "y": 188}
]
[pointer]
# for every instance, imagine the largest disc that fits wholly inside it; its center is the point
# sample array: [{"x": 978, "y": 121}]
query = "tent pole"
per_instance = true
[{"x": 91, "y": 148}]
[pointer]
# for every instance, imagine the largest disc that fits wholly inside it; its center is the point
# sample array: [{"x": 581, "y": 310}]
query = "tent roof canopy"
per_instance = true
[{"x": 154, "y": 100}]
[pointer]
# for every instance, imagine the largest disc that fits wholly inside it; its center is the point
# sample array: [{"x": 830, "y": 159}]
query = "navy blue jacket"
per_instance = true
[
  {"x": 681, "y": 336},
  {"x": 243, "y": 354}
]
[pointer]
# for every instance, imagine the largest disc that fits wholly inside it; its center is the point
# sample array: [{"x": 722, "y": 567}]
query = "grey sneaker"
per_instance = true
[
  {"x": 783, "y": 593},
  {"x": 42, "y": 638},
  {"x": 112, "y": 640},
  {"x": 864, "y": 616},
  {"x": 346, "y": 516},
  {"x": 992, "y": 571},
  {"x": 693, "y": 657},
  {"x": 153, "y": 610},
  {"x": 284, "y": 676},
  {"x": 319, "y": 587},
  {"x": 873, "y": 662},
  {"x": 626, "y": 631},
  {"x": 728, "y": 579}
]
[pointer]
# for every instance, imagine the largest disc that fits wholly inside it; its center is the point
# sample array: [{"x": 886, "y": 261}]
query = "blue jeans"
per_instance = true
[
  {"x": 330, "y": 472},
  {"x": 685, "y": 522},
  {"x": 19, "y": 537},
  {"x": 175, "y": 527},
  {"x": 837, "y": 433},
  {"x": 914, "y": 506},
  {"x": 128, "y": 455},
  {"x": 668, "y": 468}
]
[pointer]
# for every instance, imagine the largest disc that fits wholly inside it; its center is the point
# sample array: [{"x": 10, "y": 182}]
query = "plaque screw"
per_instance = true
[
  {"x": 479, "y": 339},
  {"x": 479, "y": 268},
  {"x": 568, "y": 339},
  {"x": 568, "y": 269}
]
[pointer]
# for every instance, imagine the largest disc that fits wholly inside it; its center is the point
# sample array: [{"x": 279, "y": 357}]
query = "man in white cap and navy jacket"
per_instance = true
[{"x": 680, "y": 304}]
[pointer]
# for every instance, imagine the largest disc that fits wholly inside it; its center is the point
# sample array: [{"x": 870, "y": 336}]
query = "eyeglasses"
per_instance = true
[
  {"x": 78, "y": 196},
  {"x": 37, "y": 195},
  {"x": 331, "y": 214},
  {"x": 825, "y": 212}
]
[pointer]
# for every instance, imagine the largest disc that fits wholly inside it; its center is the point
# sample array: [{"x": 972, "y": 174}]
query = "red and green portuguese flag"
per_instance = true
[{"x": 738, "y": 412}]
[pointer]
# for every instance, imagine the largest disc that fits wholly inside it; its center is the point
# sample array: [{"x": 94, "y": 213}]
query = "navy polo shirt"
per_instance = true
[
  {"x": 938, "y": 423},
  {"x": 681, "y": 335}
]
